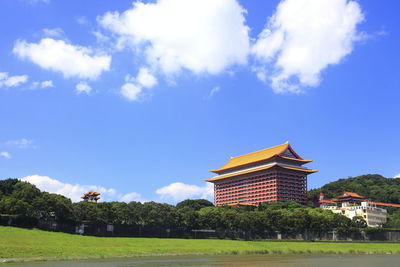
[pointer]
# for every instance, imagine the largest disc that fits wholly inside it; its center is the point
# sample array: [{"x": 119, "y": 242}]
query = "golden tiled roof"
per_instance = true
[
  {"x": 238, "y": 173},
  {"x": 297, "y": 169},
  {"x": 301, "y": 160},
  {"x": 258, "y": 169},
  {"x": 263, "y": 154}
]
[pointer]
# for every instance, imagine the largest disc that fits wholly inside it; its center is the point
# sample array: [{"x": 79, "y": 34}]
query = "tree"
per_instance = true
[
  {"x": 53, "y": 206},
  {"x": 188, "y": 218},
  {"x": 25, "y": 191},
  {"x": 10, "y": 205},
  {"x": 7, "y": 186},
  {"x": 211, "y": 218},
  {"x": 159, "y": 215},
  {"x": 280, "y": 205},
  {"x": 359, "y": 222},
  {"x": 86, "y": 212},
  {"x": 195, "y": 204}
]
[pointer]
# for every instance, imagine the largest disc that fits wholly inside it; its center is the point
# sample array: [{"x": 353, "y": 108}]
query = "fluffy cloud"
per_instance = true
[
  {"x": 5, "y": 155},
  {"x": 75, "y": 191},
  {"x": 134, "y": 86},
  {"x": 70, "y": 60},
  {"x": 145, "y": 78},
  {"x": 180, "y": 191},
  {"x": 130, "y": 91},
  {"x": 397, "y": 176},
  {"x": 83, "y": 87},
  {"x": 12, "y": 81},
  {"x": 203, "y": 36},
  {"x": 302, "y": 38}
]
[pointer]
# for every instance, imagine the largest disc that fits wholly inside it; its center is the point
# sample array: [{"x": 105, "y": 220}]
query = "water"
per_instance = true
[{"x": 231, "y": 261}]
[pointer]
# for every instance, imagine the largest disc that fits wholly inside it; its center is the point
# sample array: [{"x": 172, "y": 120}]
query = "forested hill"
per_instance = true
[{"x": 372, "y": 186}]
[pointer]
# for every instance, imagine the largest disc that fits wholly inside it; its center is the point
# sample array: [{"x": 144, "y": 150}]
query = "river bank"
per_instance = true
[{"x": 18, "y": 244}]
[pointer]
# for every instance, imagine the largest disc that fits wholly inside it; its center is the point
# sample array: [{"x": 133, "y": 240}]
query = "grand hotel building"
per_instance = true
[{"x": 272, "y": 174}]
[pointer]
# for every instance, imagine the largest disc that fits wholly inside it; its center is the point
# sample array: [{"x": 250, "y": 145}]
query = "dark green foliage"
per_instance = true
[
  {"x": 280, "y": 205},
  {"x": 393, "y": 220},
  {"x": 7, "y": 186},
  {"x": 188, "y": 218},
  {"x": 195, "y": 204},
  {"x": 21, "y": 198},
  {"x": 359, "y": 222},
  {"x": 372, "y": 186},
  {"x": 290, "y": 221},
  {"x": 10, "y": 205},
  {"x": 159, "y": 215},
  {"x": 53, "y": 206}
]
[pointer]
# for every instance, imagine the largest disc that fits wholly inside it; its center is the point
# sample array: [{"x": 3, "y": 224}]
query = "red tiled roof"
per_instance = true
[
  {"x": 350, "y": 194},
  {"x": 386, "y": 204}
]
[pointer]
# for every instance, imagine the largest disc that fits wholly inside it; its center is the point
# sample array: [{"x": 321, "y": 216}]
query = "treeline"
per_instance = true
[{"x": 24, "y": 199}]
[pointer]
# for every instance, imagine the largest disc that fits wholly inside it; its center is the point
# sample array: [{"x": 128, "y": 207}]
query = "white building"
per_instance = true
[{"x": 375, "y": 217}]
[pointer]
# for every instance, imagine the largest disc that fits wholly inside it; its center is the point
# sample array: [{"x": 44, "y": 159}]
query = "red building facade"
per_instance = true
[{"x": 272, "y": 174}]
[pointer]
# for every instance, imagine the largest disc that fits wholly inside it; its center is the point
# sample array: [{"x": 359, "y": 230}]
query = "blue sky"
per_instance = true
[{"x": 140, "y": 99}]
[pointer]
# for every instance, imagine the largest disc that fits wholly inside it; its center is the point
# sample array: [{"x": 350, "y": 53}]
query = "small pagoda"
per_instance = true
[{"x": 91, "y": 196}]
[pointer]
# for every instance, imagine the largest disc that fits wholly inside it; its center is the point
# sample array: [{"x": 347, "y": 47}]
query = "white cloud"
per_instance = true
[
  {"x": 304, "y": 37},
  {"x": 145, "y": 78},
  {"x": 133, "y": 87},
  {"x": 75, "y": 191},
  {"x": 397, "y": 176},
  {"x": 214, "y": 90},
  {"x": 70, "y": 60},
  {"x": 203, "y": 36},
  {"x": 100, "y": 37},
  {"x": 21, "y": 143},
  {"x": 44, "y": 84},
  {"x": 55, "y": 32},
  {"x": 83, "y": 87},
  {"x": 180, "y": 191},
  {"x": 131, "y": 197},
  {"x": 130, "y": 91},
  {"x": 12, "y": 81},
  {"x": 72, "y": 191},
  {"x": 5, "y": 154}
]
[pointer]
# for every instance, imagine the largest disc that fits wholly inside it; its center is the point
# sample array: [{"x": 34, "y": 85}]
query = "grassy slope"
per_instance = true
[{"x": 22, "y": 243}]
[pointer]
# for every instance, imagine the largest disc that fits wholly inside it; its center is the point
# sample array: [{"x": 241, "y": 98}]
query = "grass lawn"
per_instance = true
[{"x": 23, "y": 244}]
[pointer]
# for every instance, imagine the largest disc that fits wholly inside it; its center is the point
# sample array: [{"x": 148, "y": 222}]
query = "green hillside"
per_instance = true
[{"x": 372, "y": 186}]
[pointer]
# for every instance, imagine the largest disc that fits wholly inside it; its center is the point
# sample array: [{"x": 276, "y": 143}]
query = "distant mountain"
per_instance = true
[{"x": 374, "y": 187}]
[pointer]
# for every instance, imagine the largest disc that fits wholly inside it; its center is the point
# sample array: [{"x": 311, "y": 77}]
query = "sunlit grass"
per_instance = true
[{"x": 41, "y": 245}]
